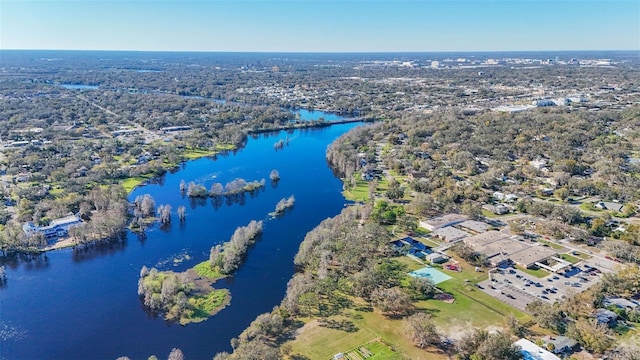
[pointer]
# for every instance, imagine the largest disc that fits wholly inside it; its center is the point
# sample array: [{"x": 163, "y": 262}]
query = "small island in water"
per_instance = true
[
  {"x": 182, "y": 297},
  {"x": 283, "y": 205},
  {"x": 189, "y": 296}
]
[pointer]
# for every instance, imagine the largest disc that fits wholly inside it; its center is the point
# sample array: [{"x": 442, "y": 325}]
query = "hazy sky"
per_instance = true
[{"x": 313, "y": 25}]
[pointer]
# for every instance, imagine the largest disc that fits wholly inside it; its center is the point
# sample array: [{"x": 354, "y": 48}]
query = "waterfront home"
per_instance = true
[{"x": 57, "y": 228}]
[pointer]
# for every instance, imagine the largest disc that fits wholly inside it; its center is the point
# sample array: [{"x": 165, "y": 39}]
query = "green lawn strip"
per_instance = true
[
  {"x": 130, "y": 183},
  {"x": 225, "y": 147},
  {"x": 585, "y": 206},
  {"x": 56, "y": 191},
  {"x": 582, "y": 255},
  {"x": 409, "y": 263},
  {"x": 488, "y": 214},
  {"x": 204, "y": 269},
  {"x": 552, "y": 244},
  {"x": 590, "y": 209},
  {"x": 539, "y": 273},
  {"x": 191, "y": 154},
  {"x": 569, "y": 258}
]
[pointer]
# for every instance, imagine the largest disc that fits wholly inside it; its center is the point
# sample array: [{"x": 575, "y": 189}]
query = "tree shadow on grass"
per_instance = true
[
  {"x": 343, "y": 325},
  {"x": 428, "y": 310}
]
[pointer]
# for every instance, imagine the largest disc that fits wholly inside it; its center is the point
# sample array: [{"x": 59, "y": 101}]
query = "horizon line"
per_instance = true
[{"x": 331, "y": 52}]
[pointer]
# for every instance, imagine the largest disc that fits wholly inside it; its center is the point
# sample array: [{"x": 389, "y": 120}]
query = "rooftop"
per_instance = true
[
  {"x": 444, "y": 220},
  {"x": 485, "y": 238},
  {"x": 450, "y": 233},
  {"x": 473, "y": 225},
  {"x": 531, "y": 255},
  {"x": 532, "y": 351}
]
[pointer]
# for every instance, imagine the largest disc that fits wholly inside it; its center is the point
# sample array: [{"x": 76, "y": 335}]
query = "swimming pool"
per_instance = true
[{"x": 435, "y": 275}]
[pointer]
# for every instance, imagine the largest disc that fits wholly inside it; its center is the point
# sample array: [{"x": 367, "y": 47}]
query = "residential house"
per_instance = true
[
  {"x": 498, "y": 209},
  {"x": 368, "y": 175},
  {"x": 560, "y": 344},
  {"x": 607, "y": 317},
  {"x": 533, "y": 351},
  {"x": 620, "y": 303},
  {"x": 539, "y": 164},
  {"x": 606, "y": 205}
]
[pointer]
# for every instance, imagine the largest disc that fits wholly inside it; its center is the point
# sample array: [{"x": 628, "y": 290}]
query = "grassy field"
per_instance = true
[
  {"x": 56, "y": 191},
  {"x": 479, "y": 308},
  {"x": 205, "y": 270},
  {"x": 131, "y": 183},
  {"x": 191, "y": 154},
  {"x": 317, "y": 342},
  {"x": 570, "y": 258},
  {"x": 471, "y": 308},
  {"x": 539, "y": 273},
  {"x": 206, "y": 305},
  {"x": 225, "y": 147},
  {"x": 360, "y": 192}
]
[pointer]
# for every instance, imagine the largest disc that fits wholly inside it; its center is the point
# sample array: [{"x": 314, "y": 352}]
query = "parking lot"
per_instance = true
[{"x": 518, "y": 288}]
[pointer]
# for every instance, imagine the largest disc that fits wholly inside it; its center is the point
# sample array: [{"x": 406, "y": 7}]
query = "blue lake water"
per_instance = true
[
  {"x": 316, "y": 115},
  {"x": 79, "y": 87},
  {"x": 84, "y": 305}
]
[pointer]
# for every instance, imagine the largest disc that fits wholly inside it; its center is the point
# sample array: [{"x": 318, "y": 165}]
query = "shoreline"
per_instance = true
[
  {"x": 61, "y": 244},
  {"x": 195, "y": 155}
]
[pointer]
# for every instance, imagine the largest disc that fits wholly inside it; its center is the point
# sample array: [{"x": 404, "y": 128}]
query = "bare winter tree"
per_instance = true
[
  {"x": 182, "y": 211},
  {"x": 164, "y": 212},
  {"x": 274, "y": 175}
]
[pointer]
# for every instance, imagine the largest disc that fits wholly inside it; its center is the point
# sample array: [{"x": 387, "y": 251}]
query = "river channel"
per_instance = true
[{"x": 83, "y": 305}]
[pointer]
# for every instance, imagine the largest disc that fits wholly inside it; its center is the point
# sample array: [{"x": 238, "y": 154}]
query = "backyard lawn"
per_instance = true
[{"x": 360, "y": 192}]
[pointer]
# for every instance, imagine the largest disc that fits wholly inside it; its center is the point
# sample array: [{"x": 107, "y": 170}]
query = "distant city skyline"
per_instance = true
[{"x": 321, "y": 26}]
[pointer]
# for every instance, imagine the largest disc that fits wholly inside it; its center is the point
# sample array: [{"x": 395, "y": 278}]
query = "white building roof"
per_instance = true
[{"x": 534, "y": 352}]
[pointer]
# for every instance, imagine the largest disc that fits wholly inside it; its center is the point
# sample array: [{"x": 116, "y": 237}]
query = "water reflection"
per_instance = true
[
  {"x": 30, "y": 261},
  {"x": 98, "y": 249}
]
